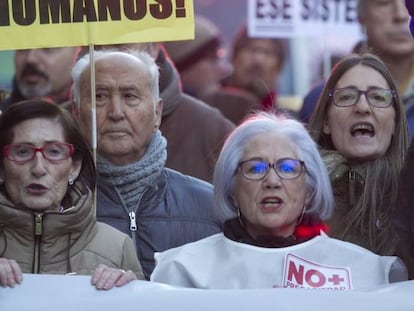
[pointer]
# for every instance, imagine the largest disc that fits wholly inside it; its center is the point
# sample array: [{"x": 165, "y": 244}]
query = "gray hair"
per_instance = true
[
  {"x": 84, "y": 63},
  {"x": 317, "y": 178}
]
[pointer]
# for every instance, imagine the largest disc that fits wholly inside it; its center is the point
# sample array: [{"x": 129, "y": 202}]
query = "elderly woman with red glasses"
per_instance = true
[
  {"x": 360, "y": 126},
  {"x": 47, "y": 216},
  {"x": 272, "y": 193}
]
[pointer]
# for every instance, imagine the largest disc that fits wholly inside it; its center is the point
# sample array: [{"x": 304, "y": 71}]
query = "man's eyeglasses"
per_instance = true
[
  {"x": 349, "y": 96},
  {"x": 285, "y": 168},
  {"x": 22, "y": 153}
]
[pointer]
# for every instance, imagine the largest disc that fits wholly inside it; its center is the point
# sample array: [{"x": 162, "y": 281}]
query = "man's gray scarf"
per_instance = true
[{"x": 131, "y": 180}]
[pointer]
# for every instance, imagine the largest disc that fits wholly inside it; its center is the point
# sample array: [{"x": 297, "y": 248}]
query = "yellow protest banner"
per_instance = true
[{"x": 54, "y": 23}]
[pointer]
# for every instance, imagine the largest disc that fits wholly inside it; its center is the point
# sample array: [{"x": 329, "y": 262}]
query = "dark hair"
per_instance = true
[
  {"x": 400, "y": 137},
  {"x": 403, "y": 215},
  {"x": 379, "y": 193},
  {"x": 45, "y": 108}
]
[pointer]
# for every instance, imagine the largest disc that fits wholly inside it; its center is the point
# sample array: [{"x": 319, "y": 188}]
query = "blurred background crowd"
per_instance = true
[{"x": 295, "y": 80}]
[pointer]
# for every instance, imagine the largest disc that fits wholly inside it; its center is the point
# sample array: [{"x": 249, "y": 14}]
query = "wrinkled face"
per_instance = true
[
  {"x": 256, "y": 66},
  {"x": 386, "y": 25},
  {"x": 361, "y": 132},
  {"x": 38, "y": 184},
  {"x": 44, "y": 72},
  {"x": 125, "y": 113},
  {"x": 271, "y": 206}
]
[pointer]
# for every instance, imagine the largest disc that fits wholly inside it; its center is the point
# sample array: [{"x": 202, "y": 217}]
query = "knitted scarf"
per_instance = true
[{"x": 131, "y": 180}]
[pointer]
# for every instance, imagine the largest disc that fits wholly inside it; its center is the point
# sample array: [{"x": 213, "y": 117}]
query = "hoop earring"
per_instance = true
[
  {"x": 240, "y": 217},
  {"x": 70, "y": 182}
]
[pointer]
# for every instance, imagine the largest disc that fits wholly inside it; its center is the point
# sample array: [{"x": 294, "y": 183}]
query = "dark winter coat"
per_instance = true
[
  {"x": 195, "y": 132},
  {"x": 175, "y": 210}
]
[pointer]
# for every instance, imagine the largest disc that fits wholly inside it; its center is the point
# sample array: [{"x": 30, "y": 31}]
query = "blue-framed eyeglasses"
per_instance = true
[{"x": 285, "y": 168}]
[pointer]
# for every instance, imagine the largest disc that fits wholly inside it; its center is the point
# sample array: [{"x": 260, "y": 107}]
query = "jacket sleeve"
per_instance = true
[{"x": 130, "y": 260}]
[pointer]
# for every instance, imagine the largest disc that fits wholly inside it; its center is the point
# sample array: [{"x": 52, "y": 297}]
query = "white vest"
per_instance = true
[{"x": 325, "y": 263}]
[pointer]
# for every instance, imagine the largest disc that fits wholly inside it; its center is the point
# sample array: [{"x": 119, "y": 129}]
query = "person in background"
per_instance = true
[
  {"x": 158, "y": 207},
  {"x": 47, "y": 215},
  {"x": 252, "y": 85},
  {"x": 272, "y": 193},
  {"x": 387, "y": 35},
  {"x": 311, "y": 98},
  {"x": 384, "y": 24},
  {"x": 42, "y": 72},
  {"x": 410, "y": 100},
  {"x": 403, "y": 216},
  {"x": 360, "y": 126},
  {"x": 201, "y": 62},
  {"x": 257, "y": 63},
  {"x": 194, "y": 131}
]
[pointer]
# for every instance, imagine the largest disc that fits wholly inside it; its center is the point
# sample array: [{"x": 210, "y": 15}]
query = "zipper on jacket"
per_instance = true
[
  {"x": 133, "y": 227},
  {"x": 132, "y": 221},
  {"x": 38, "y": 230}
]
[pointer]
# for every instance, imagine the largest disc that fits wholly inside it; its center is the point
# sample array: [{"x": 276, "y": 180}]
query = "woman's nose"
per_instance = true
[
  {"x": 272, "y": 179},
  {"x": 38, "y": 164},
  {"x": 362, "y": 104}
]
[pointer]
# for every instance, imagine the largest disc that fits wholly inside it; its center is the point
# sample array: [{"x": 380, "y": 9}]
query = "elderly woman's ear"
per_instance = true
[
  {"x": 308, "y": 198},
  {"x": 235, "y": 203},
  {"x": 75, "y": 171}
]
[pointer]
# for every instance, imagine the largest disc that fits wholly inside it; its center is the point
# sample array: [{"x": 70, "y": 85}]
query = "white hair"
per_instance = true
[{"x": 84, "y": 63}]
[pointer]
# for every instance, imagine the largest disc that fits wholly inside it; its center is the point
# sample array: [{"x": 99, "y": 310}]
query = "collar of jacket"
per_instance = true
[
  {"x": 154, "y": 192},
  {"x": 57, "y": 226},
  {"x": 346, "y": 179},
  {"x": 308, "y": 229}
]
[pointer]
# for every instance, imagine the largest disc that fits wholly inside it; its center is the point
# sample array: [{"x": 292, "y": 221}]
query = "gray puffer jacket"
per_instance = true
[{"x": 176, "y": 210}]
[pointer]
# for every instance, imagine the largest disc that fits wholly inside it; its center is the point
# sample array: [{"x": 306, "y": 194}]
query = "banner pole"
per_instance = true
[{"x": 93, "y": 113}]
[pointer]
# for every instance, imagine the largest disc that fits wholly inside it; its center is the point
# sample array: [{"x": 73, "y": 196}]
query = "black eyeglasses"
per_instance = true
[
  {"x": 22, "y": 153},
  {"x": 285, "y": 168},
  {"x": 349, "y": 96}
]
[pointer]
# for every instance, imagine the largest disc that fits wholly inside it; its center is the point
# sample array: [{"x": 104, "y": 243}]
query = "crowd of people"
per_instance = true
[{"x": 196, "y": 176}]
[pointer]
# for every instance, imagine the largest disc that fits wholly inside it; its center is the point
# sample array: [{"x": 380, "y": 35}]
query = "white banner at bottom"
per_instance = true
[{"x": 69, "y": 293}]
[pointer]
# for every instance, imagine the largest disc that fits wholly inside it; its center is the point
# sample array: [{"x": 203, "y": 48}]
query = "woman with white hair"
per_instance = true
[{"x": 272, "y": 193}]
